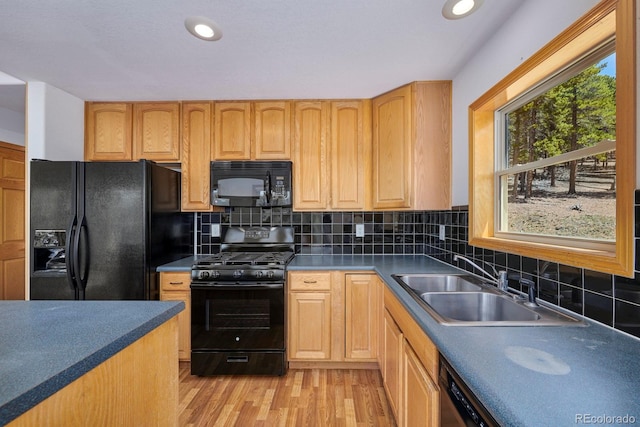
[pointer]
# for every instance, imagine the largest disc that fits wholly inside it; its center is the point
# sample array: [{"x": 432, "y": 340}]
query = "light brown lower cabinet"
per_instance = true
[
  {"x": 410, "y": 368},
  {"x": 392, "y": 364},
  {"x": 175, "y": 286},
  {"x": 333, "y": 317},
  {"x": 420, "y": 399},
  {"x": 352, "y": 319}
]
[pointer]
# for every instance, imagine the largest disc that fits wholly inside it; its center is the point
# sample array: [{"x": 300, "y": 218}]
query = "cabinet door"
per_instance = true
[
  {"x": 175, "y": 287},
  {"x": 232, "y": 131},
  {"x": 156, "y": 133},
  {"x": 196, "y": 156},
  {"x": 361, "y": 314},
  {"x": 392, "y": 148},
  {"x": 350, "y": 154},
  {"x": 310, "y": 155},
  {"x": 272, "y": 130},
  {"x": 309, "y": 325},
  {"x": 184, "y": 321},
  {"x": 420, "y": 398},
  {"x": 392, "y": 366},
  {"x": 108, "y": 131}
]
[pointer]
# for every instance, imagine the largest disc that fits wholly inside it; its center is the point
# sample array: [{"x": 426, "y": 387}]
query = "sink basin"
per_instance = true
[
  {"x": 422, "y": 283},
  {"x": 466, "y": 300},
  {"x": 478, "y": 307}
]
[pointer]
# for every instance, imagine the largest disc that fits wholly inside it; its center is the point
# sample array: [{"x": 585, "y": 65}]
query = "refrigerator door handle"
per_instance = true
[
  {"x": 70, "y": 251},
  {"x": 84, "y": 262}
]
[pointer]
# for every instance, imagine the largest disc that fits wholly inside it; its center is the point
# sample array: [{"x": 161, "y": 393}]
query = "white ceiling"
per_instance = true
[{"x": 140, "y": 50}]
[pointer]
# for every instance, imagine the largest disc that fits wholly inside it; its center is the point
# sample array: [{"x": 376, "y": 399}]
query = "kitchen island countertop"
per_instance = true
[
  {"x": 46, "y": 345},
  {"x": 525, "y": 376}
]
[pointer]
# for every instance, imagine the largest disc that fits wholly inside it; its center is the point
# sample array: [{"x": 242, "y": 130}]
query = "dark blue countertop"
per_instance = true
[
  {"x": 181, "y": 265},
  {"x": 524, "y": 376},
  {"x": 45, "y": 345}
]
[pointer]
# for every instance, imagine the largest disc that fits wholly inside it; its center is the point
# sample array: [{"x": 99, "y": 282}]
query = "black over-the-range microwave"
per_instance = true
[{"x": 251, "y": 183}]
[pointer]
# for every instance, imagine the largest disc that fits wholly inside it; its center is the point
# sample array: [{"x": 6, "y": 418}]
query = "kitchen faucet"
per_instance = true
[{"x": 499, "y": 278}]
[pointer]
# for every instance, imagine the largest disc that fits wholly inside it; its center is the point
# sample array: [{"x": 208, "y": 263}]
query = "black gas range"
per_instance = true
[{"x": 238, "y": 304}]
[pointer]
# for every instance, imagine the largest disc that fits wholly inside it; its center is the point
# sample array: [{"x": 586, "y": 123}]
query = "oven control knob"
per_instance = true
[
  {"x": 270, "y": 274},
  {"x": 259, "y": 274},
  {"x": 237, "y": 339},
  {"x": 204, "y": 274},
  {"x": 215, "y": 274},
  {"x": 238, "y": 274}
]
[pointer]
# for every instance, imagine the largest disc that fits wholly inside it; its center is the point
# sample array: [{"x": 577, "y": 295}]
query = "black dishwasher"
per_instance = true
[{"x": 458, "y": 406}]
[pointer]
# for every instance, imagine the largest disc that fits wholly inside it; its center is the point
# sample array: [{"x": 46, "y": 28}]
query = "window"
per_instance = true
[{"x": 553, "y": 149}]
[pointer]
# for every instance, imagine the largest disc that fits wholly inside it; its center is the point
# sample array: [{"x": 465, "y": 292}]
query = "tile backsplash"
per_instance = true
[{"x": 606, "y": 298}]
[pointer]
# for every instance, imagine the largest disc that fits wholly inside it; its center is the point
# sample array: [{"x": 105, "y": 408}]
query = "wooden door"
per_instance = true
[
  {"x": 350, "y": 154},
  {"x": 108, "y": 131},
  {"x": 232, "y": 131},
  {"x": 420, "y": 401},
  {"x": 156, "y": 131},
  {"x": 310, "y": 170},
  {"x": 392, "y": 147},
  {"x": 361, "y": 314},
  {"x": 272, "y": 130},
  {"x": 175, "y": 287},
  {"x": 309, "y": 326},
  {"x": 12, "y": 232},
  {"x": 196, "y": 156},
  {"x": 392, "y": 366}
]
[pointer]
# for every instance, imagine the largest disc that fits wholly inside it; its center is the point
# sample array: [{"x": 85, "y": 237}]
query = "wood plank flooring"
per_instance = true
[{"x": 302, "y": 397}]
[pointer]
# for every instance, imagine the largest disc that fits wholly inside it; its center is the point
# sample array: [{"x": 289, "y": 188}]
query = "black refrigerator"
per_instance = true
[{"x": 100, "y": 229}]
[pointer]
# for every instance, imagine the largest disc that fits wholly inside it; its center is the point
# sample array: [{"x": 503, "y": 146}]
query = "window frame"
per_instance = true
[{"x": 610, "y": 18}]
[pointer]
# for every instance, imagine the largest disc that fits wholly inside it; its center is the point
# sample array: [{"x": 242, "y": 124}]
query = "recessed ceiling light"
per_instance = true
[
  {"x": 456, "y": 9},
  {"x": 203, "y": 28}
]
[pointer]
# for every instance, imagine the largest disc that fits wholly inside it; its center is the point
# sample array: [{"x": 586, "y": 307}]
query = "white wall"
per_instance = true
[
  {"x": 55, "y": 124},
  {"x": 532, "y": 26},
  {"x": 12, "y": 126}
]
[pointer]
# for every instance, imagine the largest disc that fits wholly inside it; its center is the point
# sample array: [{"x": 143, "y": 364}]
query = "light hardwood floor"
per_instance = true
[{"x": 302, "y": 397}]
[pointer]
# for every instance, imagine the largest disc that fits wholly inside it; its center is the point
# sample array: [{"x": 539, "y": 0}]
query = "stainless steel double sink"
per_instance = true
[{"x": 466, "y": 300}]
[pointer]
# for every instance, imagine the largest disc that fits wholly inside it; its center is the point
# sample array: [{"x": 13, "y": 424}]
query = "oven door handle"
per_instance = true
[{"x": 237, "y": 287}]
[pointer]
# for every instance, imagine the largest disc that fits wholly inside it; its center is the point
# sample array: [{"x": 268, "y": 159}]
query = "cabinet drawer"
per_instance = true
[
  {"x": 175, "y": 281},
  {"x": 310, "y": 281}
]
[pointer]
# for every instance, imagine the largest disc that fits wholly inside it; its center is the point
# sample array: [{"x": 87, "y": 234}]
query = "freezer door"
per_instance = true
[
  {"x": 113, "y": 251},
  {"x": 51, "y": 212}
]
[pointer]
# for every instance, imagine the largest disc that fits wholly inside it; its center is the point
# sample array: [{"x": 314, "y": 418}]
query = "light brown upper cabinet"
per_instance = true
[
  {"x": 116, "y": 131},
  {"x": 196, "y": 156},
  {"x": 272, "y": 130},
  {"x": 350, "y": 154},
  {"x": 332, "y": 150},
  {"x": 310, "y": 169},
  {"x": 232, "y": 131},
  {"x": 156, "y": 133},
  {"x": 412, "y": 147},
  {"x": 108, "y": 131}
]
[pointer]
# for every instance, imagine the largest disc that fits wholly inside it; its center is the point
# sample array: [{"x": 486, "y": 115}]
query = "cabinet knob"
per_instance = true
[
  {"x": 310, "y": 281},
  {"x": 176, "y": 283}
]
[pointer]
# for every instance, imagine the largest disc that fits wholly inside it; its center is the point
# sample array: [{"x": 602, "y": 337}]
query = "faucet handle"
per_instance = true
[
  {"x": 532, "y": 291},
  {"x": 503, "y": 280}
]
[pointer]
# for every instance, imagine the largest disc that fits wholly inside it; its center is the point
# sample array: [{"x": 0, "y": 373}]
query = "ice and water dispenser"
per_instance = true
[{"x": 48, "y": 251}]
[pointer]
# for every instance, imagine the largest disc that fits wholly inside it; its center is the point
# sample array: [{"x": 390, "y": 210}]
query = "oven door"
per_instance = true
[
  {"x": 238, "y": 329},
  {"x": 233, "y": 317}
]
